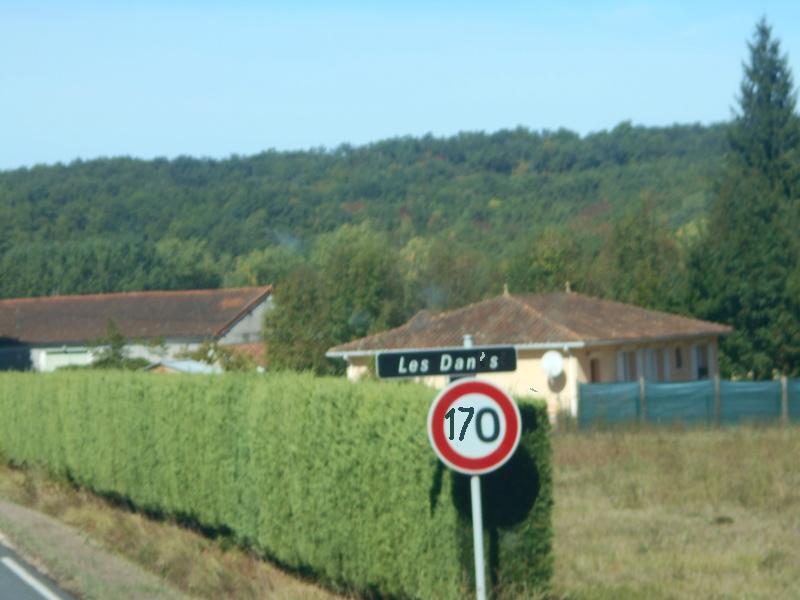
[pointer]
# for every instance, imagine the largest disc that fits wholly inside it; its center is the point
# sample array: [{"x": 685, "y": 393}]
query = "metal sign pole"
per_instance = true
[
  {"x": 473, "y": 452},
  {"x": 477, "y": 537}
]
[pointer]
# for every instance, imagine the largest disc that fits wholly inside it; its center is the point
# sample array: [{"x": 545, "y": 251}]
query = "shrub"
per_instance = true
[{"x": 323, "y": 476}]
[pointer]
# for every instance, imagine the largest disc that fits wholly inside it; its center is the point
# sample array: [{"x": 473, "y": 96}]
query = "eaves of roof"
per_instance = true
[{"x": 565, "y": 345}]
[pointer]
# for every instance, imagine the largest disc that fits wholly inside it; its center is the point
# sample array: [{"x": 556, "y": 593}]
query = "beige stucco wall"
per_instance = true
[
  {"x": 357, "y": 366},
  {"x": 608, "y": 359},
  {"x": 684, "y": 373},
  {"x": 562, "y": 394}
]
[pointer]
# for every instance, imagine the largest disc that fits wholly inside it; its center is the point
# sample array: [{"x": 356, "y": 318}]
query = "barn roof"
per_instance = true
[
  {"x": 533, "y": 319},
  {"x": 202, "y": 314}
]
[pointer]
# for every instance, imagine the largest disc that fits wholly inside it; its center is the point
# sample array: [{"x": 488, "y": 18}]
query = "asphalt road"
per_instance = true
[{"x": 20, "y": 581}]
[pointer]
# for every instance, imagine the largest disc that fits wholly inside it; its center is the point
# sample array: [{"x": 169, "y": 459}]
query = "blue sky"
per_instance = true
[{"x": 166, "y": 78}]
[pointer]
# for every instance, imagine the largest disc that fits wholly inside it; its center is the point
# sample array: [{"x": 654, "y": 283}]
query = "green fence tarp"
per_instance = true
[
  {"x": 608, "y": 403},
  {"x": 793, "y": 386},
  {"x": 691, "y": 403},
  {"x": 749, "y": 401}
]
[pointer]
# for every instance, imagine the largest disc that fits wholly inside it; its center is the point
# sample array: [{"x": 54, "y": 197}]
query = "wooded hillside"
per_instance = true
[{"x": 125, "y": 224}]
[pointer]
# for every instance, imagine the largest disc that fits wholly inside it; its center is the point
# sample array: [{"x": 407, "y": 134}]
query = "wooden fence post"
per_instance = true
[
  {"x": 784, "y": 400},
  {"x": 717, "y": 400},
  {"x": 642, "y": 401}
]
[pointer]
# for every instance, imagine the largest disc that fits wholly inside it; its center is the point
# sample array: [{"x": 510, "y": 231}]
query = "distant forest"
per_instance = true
[
  {"x": 433, "y": 223},
  {"x": 691, "y": 219},
  {"x": 124, "y": 224}
]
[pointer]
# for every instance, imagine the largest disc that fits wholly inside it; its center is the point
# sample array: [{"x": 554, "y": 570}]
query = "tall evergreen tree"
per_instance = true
[
  {"x": 766, "y": 134},
  {"x": 743, "y": 269}
]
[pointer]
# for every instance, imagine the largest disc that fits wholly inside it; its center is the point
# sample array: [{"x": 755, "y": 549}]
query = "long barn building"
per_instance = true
[{"x": 46, "y": 333}]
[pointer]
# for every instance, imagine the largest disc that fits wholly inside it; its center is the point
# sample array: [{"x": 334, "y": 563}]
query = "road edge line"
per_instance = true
[{"x": 23, "y": 574}]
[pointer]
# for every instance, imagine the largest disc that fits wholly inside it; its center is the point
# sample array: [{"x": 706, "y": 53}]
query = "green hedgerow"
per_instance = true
[{"x": 321, "y": 475}]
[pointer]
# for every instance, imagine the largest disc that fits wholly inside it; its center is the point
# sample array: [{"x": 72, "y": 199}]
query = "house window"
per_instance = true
[
  {"x": 660, "y": 371},
  {"x": 630, "y": 366},
  {"x": 678, "y": 358},
  {"x": 594, "y": 370},
  {"x": 651, "y": 365},
  {"x": 626, "y": 366},
  {"x": 702, "y": 361}
]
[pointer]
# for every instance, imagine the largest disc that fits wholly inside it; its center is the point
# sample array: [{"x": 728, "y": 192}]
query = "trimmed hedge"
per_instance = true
[{"x": 321, "y": 475}]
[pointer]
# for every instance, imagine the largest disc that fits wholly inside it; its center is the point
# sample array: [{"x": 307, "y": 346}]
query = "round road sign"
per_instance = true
[{"x": 474, "y": 426}]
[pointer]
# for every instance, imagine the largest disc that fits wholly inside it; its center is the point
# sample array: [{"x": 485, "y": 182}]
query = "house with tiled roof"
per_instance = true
[
  {"x": 598, "y": 341},
  {"x": 46, "y": 333}
]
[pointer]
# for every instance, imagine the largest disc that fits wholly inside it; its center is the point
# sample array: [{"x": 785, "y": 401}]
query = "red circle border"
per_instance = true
[{"x": 464, "y": 464}]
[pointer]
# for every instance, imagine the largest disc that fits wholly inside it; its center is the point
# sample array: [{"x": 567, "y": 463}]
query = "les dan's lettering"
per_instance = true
[
  {"x": 446, "y": 364},
  {"x": 450, "y": 362},
  {"x": 414, "y": 366},
  {"x": 470, "y": 363}
]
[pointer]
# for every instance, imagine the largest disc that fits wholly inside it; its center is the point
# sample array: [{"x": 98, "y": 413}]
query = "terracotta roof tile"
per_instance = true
[
  {"x": 256, "y": 351},
  {"x": 146, "y": 315},
  {"x": 534, "y": 319}
]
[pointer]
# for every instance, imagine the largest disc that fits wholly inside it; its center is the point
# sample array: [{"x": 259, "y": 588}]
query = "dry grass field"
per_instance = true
[
  {"x": 657, "y": 513},
  {"x": 664, "y": 513}
]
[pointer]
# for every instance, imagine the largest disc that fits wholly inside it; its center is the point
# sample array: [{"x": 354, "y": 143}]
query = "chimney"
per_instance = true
[{"x": 467, "y": 340}]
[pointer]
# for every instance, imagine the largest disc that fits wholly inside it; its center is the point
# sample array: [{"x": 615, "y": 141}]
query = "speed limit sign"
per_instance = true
[{"x": 474, "y": 426}]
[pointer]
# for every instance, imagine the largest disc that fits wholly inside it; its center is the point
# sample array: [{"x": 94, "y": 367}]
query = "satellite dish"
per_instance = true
[{"x": 552, "y": 364}]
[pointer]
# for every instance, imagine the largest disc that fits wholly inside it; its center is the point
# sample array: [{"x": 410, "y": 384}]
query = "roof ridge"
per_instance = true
[
  {"x": 263, "y": 288},
  {"x": 442, "y": 313},
  {"x": 460, "y": 309},
  {"x": 645, "y": 309},
  {"x": 407, "y": 325},
  {"x": 542, "y": 316},
  {"x": 432, "y": 315}
]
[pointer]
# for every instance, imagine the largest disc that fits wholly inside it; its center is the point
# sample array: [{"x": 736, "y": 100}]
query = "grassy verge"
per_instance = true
[
  {"x": 78, "y": 565},
  {"x": 677, "y": 514},
  {"x": 192, "y": 563}
]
